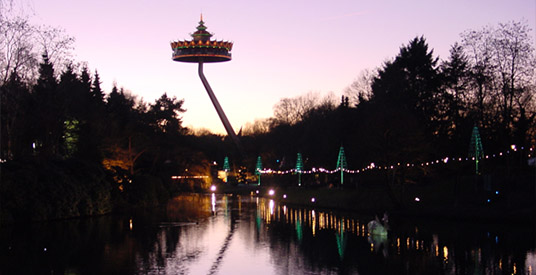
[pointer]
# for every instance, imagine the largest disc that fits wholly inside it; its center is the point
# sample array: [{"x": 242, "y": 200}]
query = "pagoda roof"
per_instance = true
[{"x": 201, "y": 47}]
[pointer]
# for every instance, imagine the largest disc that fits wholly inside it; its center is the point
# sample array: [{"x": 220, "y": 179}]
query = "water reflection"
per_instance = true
[{"x": 215, "y": 234}]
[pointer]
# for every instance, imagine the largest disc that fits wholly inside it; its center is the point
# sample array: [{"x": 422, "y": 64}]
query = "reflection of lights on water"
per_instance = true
[
  {"x": 213, "y": 203},
  {"x": 530, "y": 262},
  {"x": 317, "y": 223},
  {"x": 314, "y": 222},
  {"x": 130, "y": 224}
]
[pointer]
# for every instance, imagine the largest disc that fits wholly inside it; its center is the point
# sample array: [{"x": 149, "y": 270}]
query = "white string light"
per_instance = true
[{"x": 372, "y": 166}]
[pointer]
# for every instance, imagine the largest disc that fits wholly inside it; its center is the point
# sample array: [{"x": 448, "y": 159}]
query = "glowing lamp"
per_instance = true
[
  {"x": 213, "y": 188},
  {"x": 271, "y": 192}
]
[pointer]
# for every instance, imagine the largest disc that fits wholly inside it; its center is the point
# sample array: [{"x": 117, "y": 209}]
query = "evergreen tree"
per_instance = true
[
  {"x": 15, "y": 140},
  {"x": 96, "y": 92},
  {"x": 408, "y": 87},
  {"x": 456, "y": 81},
  {"x": 48, "y": 112}
]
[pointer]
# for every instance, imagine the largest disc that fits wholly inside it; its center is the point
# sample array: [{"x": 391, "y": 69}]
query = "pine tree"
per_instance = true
[
  {"x": 48, "y": 112},
  {"x": 96, "y": 91}
]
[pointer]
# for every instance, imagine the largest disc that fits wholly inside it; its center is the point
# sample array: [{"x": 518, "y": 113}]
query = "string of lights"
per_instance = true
[{"x": 373, "y": 166}]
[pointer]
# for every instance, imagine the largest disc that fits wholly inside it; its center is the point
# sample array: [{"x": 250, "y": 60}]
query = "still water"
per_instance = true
[{"x": 222, "y": 234}]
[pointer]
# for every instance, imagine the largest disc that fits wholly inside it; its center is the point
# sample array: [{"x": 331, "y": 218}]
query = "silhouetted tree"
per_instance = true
[
  {"x": 15, "y": 120},
  {"x": 502, "y": 69},
  {"x": 49, "y": 112},
  {"x": 96, "y": 91},
  {"x": 457, "y": 83},
  {"x": 360, "y": 89},
  {"x": 412, "y": 82}
]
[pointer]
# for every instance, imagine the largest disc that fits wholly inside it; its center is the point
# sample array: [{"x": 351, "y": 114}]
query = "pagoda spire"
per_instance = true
[{"x": 201, "y": 34}]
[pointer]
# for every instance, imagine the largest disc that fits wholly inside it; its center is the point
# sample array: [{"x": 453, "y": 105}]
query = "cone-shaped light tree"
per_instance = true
[
  {"x": 341, "y": 163},
  {"x": 299, "y": 167},
  {"x": 258, "y": 169},
  {"x": 475, "y": 148}
]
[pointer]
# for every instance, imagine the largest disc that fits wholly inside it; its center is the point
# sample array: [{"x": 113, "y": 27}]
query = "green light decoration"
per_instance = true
[
  {"x": 299, "y": 167},
  {"x": 341, "y": 163},
  {"x": 475, "y": 149},
  {"x": 341, "y": 240},
  {"x": 258, "y": 169},
  {"x": 258, "y": 220},
  {"x": 299, "y": 230},
  {"x": 226, "y": 166}
]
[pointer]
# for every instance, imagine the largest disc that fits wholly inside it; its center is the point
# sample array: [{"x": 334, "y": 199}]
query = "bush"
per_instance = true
[{"x": 33, "y": 190}]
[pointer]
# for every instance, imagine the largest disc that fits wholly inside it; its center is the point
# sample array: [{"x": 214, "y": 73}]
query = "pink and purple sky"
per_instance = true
[{"x": 281, "y": 48}]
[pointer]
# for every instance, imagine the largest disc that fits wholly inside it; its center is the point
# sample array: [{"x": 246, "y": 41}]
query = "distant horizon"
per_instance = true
[{"x": 280, "y": 49}]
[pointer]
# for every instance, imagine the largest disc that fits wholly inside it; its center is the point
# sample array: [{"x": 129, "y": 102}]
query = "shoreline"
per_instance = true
[{"x": 347, "y": 201}]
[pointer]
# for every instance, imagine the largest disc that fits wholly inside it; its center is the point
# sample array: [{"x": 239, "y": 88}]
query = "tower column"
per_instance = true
[{"x": 228, "y": 127}]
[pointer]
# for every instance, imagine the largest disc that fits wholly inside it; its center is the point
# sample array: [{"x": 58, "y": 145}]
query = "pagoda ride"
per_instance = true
[{"x": 201, "y": 49}]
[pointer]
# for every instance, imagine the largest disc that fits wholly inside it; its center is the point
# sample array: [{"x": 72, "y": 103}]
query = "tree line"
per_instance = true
[{"x": 415, "y": 107}]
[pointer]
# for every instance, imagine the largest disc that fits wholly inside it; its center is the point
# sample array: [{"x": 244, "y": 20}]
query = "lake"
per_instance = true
[{"x": 224, "y": 234}]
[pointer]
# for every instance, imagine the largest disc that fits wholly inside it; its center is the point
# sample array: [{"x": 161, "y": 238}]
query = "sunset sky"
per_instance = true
[{"x": 281, "y": 48}]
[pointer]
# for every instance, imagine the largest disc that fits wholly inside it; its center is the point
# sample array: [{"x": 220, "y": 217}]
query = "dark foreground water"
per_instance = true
[{"x": 204, "y": 234}]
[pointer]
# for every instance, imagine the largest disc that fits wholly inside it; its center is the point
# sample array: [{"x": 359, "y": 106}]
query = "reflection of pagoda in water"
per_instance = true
[{"x": 203, "y": 50}]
